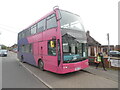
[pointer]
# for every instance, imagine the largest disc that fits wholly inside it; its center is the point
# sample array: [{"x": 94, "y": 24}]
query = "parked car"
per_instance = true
[
  {"x": 3, "y": 52},
  {"x": 15, "y": 50},
  {"x": 114, "y": 53}
]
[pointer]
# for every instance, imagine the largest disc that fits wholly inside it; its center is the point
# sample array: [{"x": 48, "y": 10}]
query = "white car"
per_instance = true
[
  {"x": 114, "y": 53},
  {"x": 3, "y": 52}
]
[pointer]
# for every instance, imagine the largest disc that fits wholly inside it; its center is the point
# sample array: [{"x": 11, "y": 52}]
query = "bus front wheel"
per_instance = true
[{"x": 41, "y": 65}]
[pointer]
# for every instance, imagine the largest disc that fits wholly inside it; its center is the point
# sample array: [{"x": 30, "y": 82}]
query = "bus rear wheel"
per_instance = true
[
  {"x": 41, "y": 65},
  {"x": 21, "y": 59}
]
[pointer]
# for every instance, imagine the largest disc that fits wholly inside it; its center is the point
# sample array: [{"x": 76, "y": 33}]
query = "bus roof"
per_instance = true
[
  {"x": 45, "y": 17},
  {"x": 40, "y": 19}
]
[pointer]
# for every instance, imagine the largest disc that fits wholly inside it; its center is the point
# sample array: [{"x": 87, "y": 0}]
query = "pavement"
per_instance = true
[{"x": 111, "y": 74}]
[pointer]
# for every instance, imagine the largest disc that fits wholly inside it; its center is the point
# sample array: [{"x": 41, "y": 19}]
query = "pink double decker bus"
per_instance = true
[{"x": 56, "y": 42}]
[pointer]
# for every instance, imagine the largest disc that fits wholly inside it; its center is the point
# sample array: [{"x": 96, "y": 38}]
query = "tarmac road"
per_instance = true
[{"x": 16, "y": 76}]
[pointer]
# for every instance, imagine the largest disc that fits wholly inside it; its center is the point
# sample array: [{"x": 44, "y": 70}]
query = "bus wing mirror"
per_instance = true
[
  {"x": 56, "y": 8},
  {"x": 59, "y": 15}
]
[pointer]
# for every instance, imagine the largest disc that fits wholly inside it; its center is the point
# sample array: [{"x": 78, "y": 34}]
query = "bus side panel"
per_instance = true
[
  {"x": 44, "y": 55},
  {"x": 36, "y": 51},
  {"x": 27, "y": 56},
  {"x": 51, "y": 62},
  {"x": 36, "y": 41},
  {"x": 35, "y": 38},
  {"x": 23, "y": 41},
  {"x": 49, "y": 34}
]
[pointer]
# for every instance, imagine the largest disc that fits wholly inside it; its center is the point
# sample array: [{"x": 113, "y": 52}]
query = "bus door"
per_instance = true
[{"x": 51, "y": 58}]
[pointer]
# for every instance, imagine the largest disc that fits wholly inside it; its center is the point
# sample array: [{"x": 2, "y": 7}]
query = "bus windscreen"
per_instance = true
[
  {"x": 70, "y": 21},
  {"x": 73, "y": 37}
]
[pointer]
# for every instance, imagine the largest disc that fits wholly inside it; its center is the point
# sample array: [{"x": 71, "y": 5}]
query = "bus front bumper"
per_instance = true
[{"x": 72, "y": 67}]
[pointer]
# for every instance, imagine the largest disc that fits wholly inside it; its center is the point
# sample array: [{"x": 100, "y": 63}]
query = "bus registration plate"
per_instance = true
[{"x": 77, "y": 68}]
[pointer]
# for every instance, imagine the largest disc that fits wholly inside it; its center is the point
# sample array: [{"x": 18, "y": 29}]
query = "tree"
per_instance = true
[{"x": 3, "y": 47}]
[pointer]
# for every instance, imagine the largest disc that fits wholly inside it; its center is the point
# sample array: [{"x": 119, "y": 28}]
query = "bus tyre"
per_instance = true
[
  {"x": 21, "y": 59},
  {"x": 41, "y": 65}
]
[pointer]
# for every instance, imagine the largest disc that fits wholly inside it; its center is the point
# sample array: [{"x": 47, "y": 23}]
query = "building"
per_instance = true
[
  {"x": 14, "y": 48},
  {"x": 117, "y": 47},
  {"x": 93, "y": 46},
  {"x": 104, "y": 48}
]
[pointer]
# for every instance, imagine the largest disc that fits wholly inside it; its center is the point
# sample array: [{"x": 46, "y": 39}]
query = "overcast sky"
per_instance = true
[{"x": 98, "y": 16}]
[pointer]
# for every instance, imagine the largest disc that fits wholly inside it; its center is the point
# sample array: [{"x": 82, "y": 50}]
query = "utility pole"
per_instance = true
[
  {"x": 108, "y": 42},
  {"x": 108, "y": 48}
]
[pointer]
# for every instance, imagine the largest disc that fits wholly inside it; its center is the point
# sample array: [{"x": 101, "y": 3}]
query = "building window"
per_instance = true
[
  {"x": 52, "y": 47},
  {"x": 41, "y": 26},
  {"x": 51, "y": 21}
]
